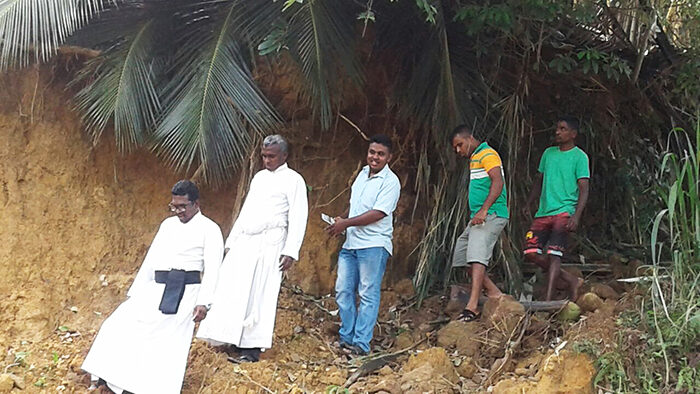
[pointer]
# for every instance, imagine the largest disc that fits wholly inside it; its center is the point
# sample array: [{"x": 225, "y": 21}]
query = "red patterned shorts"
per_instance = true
[{"x": 549, "y": 232}]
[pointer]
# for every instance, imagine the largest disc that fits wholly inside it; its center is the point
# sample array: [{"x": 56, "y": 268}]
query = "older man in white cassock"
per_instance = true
[
  {"x": 264, "y": 242},
  {"x": 143, "y": 346}
]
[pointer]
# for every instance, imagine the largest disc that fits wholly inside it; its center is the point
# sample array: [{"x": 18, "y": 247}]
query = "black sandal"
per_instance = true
[{"x": 467, "y": 316}]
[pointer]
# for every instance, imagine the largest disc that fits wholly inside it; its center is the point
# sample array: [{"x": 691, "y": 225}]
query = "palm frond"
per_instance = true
[
  {"x": 122, "y": 90},
  {"x": 321, "y": 40},
  {"x": 33, "y": 30},
  {"x": 212, "y": 103},
  {"x": 440, "y": 87}
]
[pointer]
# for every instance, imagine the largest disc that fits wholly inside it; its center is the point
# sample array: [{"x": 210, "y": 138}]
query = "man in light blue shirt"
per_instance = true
[{"x": 362, "y": 260}]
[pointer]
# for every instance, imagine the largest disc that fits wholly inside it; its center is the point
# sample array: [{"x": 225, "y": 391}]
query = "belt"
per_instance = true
[{"x": 175, "y": 281}]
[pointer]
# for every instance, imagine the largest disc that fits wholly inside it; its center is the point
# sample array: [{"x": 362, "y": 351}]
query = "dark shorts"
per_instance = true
[{"x": 548, "y": 232}]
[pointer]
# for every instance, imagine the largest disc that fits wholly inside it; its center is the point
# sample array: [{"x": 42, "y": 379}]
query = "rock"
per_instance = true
[
  {"x": 387, "y": 386},
  {"x": 403, "y": 340},
  {"x": 6, "y": 383},
  {"x": 460, "y": 335},
  {"x": 405, "y": 288},
  {"x": 467, "y": 368},
  {"x": 589, "y": 302},
  {"x": 529, "y": 365},
  {"x": 503, "y": 313},
  {"x": 429, "y": 371},
  {"x": 459, "y": 296},
  {"x": 454, "y": 307},
  {"x": 386, "y": 370},
  {"x": 424, "y": 380},
  {"x": 521, "y": 371},
  {"x": 566, "y": 373},
  {"x": 604, "y": 291},
  {"x": 570, "y": 312},
  {"x": 19, "y": 382}
]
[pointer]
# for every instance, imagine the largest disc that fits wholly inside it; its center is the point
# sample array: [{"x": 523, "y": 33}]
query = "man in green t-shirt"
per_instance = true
[
  {"x": 489, "y": 215},
  {"x": 562, "y": 186}
]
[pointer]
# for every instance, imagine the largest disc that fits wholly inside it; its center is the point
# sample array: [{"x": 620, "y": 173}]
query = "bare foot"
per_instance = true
[{"x": 575, "y": 288}]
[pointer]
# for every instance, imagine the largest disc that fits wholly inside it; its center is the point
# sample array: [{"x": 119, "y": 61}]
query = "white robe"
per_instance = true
[
  {"x": 272, "y": 223},
  {"x": 140, "y": 349}
]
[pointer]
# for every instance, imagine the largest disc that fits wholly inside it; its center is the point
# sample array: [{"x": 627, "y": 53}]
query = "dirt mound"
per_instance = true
[
  {"x": 503, "y": 313},
  {"x": 429, "y": 371},
  {"x": 566, "y": 372},
  {"x": 463, "y": 337}
]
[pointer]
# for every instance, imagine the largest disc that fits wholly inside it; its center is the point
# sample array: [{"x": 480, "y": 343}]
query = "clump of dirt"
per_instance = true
[
  {"x": 566, "y": 372},
  {"x": 463, "y": 337},
  {"x": 431, "y": 370},
  {"x": 503, "y": 313}
]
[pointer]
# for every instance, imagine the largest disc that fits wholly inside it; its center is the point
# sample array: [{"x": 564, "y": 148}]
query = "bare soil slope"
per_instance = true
[{"x": 77, "y": 219}]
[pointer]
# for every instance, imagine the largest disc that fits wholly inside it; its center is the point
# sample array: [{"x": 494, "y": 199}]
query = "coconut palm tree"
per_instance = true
[{"x": 176, "y": 75}]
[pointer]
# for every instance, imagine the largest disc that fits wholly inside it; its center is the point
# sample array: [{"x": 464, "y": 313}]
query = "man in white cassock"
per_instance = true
[
  {"x": 143, "y": 346},
  {"x": 264, "y": 242}
]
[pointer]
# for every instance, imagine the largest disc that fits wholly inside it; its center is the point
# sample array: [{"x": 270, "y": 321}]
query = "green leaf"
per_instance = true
[
  {"x": 32, "y": 30},
  {"x": 63, "y": 328},
  {"x": 213, "y": 106},
  {"x": 289, "y": 3},
  {"x": 274, "y": 41},
  {"x": 41, "y": 382},
  {"x": 367, "y": 15},
  {"x": 121, "y": 90}
]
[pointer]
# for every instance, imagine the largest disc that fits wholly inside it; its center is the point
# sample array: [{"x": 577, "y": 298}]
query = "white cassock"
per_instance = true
[
  {"x": 140, "y": 349},
  {"x": 272, "y": 223}
]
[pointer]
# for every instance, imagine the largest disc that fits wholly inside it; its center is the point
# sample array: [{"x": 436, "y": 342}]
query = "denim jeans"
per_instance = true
[{"x": 359, "y": 271}]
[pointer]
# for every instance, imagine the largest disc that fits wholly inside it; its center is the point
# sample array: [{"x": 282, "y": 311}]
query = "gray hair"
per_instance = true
[{"x": 276, "y": 139}]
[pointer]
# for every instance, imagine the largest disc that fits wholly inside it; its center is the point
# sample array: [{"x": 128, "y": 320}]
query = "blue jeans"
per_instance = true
[{"x": 359, "y": 271}]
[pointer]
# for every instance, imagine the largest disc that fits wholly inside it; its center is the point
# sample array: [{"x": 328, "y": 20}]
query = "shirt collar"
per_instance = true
[
  {"x": 280, "y": 168},
  {"x": 481, "y": 147},
  {"x": 381, "y": 174},
  {"x": 194, "y": 218}
]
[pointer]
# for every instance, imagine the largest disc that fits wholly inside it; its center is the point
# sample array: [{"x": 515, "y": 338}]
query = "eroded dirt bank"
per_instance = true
[{"x": 77, "y": 220}]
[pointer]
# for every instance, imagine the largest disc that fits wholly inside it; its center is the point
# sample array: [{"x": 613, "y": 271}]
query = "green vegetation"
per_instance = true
[
  {"x": 674, "y": 311},
  {"x": 657, "y": 344}
]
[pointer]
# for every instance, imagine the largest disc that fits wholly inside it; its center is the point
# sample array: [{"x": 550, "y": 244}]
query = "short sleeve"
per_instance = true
[
  {"x": 543, "y": 162},
  {"x": 388, "y": 196},
  {"x": 491, "y": 160},
  {"x": 582, "y": 168}
]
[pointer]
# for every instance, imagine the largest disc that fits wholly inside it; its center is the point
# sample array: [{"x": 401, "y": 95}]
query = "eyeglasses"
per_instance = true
[{"x": 179, "y": 207}]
